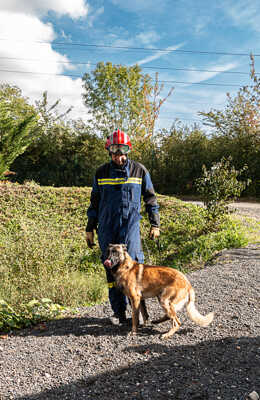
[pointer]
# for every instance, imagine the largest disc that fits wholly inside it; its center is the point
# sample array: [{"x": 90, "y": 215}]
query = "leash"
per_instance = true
[
  {"x": 158, "y": 245},
  {"x": 148, "y": 251}
]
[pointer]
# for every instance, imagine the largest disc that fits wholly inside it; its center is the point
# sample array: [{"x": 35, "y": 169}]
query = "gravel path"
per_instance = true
[
  {"x": 84, "y": 357},
  {"x": 239, "y": 207}
]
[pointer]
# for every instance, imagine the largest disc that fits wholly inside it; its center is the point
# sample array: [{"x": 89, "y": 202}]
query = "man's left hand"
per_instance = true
[{"x": 154, "y": 232}]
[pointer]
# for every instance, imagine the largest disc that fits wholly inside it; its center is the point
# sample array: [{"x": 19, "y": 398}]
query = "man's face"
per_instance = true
[{"x": 119, "y": 158}]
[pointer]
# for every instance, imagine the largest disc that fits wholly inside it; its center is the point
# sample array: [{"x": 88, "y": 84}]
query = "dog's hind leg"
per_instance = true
[
  {"x": 175, "y": 326},
  {"x": 160, "y": 320},
  {"x": 172, "y": 302}
]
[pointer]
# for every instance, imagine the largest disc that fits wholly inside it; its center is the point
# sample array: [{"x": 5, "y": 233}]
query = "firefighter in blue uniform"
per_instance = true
[{"x": 114, "y": 210}]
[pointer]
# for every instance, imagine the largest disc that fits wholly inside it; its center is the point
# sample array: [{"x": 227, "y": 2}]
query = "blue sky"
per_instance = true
[{"x": 206, "y": 46}]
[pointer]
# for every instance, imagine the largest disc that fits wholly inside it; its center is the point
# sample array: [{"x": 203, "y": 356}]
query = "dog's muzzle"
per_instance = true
[{"x": 108, "y": 263}]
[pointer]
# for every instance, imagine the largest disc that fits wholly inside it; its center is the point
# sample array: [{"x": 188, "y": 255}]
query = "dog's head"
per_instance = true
[{"x": 116, "y": 254}]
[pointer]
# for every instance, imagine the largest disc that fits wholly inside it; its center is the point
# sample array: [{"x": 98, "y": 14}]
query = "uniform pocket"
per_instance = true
[{"x": 135, "y": 194}]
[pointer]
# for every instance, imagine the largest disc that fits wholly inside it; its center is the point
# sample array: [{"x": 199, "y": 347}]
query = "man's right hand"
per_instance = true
[{"x": 90, "y": 239}]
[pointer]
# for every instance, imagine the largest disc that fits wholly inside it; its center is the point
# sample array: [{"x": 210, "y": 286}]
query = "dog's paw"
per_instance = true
[
  {"x": 165, "y": 336},
  {"x": 132, "y": 334}
]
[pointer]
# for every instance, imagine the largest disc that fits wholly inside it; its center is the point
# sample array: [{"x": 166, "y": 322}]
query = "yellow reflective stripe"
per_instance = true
[
  {"x": 111, "y": 284},
  {"x": 110, "y": 182},
  {"x": 119, "y": 181},
  {"x": 135, "y": 180},
  {"x": 110, "y": 179}
]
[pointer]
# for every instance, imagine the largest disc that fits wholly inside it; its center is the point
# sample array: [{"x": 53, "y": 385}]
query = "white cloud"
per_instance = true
[
  {"x": 159, "y": 54},
  {"x": 139, "y": 5},
  {"x": 26, "y": 44},
  {"x": 26, "y": 28},
  {"x": 35, "y": 64},
  {"x": 200, "y": 27},
  {"x": 73, "y": 8},
  {"x": 93, "y": 16},
  {"x": 146, "y": 38},
  {"x": 197, "y": 76},
  {"x": 122, "y": 39},
  {"x": 244, "y": 13}
]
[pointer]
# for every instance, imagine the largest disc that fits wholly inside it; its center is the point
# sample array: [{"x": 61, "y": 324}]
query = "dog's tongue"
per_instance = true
[{"x": 108, "y": 263}]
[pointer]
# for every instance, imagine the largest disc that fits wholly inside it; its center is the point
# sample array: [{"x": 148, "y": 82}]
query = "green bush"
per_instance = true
[
  {"x": 29, "y": 314},
  {"x": 218, "y": 186}
]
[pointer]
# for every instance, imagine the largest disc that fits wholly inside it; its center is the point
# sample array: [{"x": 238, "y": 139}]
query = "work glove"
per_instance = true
[
  {"x": 90, "y": 239},
  {"x": 154, "y": 232}
]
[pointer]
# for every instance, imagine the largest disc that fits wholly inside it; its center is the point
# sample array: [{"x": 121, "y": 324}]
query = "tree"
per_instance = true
[
  {"x": 66, "y": 153},
  {"x": 114, "y": 95},
  {"x": 18, "y": 123},
  {"x": 182, "y": 152},
  {"x": 146, "y": 139},
  {"x": 241, "y": 116},
  {"x": 122, "y": 97},
  {"x": 237, "y": 129}
]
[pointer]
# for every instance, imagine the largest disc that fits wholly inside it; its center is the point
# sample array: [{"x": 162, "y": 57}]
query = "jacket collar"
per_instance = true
[{"x": 124, "y": 169}]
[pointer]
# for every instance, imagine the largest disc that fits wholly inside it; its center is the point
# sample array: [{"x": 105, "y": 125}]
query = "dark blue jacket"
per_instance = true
[{"x": 115, "y": 205}]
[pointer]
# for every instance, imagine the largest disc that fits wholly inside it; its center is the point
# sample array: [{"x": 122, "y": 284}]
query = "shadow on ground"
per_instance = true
[{"x": 220, "y": 369}]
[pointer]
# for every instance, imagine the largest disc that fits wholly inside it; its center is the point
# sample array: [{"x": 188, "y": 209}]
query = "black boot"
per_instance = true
[{"x": 119, "y": 319}]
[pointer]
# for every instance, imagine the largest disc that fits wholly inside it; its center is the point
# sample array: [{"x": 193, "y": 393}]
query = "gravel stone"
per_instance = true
[{"x": 253, "y": 396}]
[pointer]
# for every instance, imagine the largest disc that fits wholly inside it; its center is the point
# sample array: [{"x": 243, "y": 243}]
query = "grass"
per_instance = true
[
  {"x": 250, "y": 227},
  {"x": 43, "y": 253}
]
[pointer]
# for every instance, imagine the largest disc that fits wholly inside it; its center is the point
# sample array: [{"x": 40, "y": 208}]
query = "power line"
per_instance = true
[
  {"x": 201, "y": 83},
  {"x": 200, "y": 70},
  {"x": 151, "y": 67},
  {"x": 40, "y": 73},
  {"x": 80, "y": 76},
  {"x": 81, "y": 44}
]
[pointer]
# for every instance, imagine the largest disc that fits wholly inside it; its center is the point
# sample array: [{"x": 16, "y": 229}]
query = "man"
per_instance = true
[{"x": 114, "y": 210}]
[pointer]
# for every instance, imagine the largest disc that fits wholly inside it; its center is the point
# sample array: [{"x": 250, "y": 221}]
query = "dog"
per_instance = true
[{"x": 140, "y": 281}]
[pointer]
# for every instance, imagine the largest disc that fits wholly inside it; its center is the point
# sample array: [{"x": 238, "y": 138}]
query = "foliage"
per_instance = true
[
  {"x": 43, "y": 253},
  {"x": 114, "y": 96},
  {"x": 66, "y": 153},
  {"x": 18, "y": 104},
  {"x": 18, "y": 123},
  {"x": 180, "y": 157},
  {"x": 145, "y": 139},
  {"x": 241, "y": 116},
  {"x": 250, "y": 226},
  {"x": 218, "y": 186},
  {"x": 236, "y": 130},
  {"x": 42, "y": 246},
  {"x": 187, "y": 239},
  {"x": 29, "y": 314}
]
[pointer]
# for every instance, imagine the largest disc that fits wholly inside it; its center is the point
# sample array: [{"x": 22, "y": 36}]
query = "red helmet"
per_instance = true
[{"x": 118, "y": 138}]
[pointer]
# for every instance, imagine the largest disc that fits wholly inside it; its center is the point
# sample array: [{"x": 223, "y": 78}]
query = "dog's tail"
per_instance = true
[{"x": 194, "y": 314}]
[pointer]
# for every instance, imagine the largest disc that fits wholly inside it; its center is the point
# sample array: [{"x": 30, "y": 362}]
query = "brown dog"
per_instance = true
[{"x": 141, "y": 281}]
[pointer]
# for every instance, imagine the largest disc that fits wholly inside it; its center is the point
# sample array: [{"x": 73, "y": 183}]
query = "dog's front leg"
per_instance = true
[
  {"x": 144, "y": 312},
  {"x": 135, "y": 303}
]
